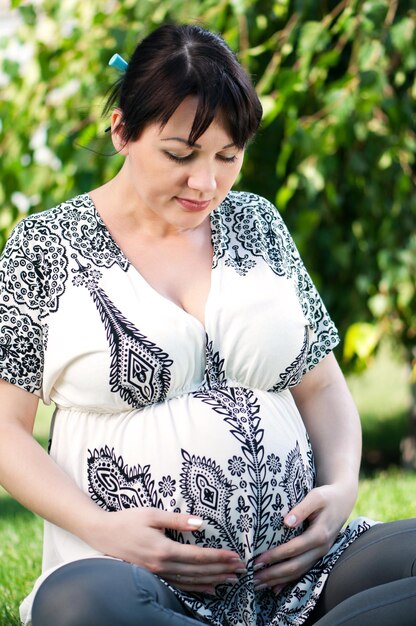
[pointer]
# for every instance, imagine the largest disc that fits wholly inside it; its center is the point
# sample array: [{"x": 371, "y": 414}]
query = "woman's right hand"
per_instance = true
[
  {"x": 138, "y": 535},
  {"x": 135, "y": 535}
]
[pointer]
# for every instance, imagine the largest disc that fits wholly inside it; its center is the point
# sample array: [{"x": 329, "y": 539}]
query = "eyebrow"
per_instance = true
[{"x": 195, "y": 145}]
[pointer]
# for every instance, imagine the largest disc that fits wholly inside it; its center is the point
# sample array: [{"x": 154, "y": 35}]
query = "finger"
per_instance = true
[
  {"x": 314, "y": 540},
  {"x": 177, "y": 521},
  {"x": 210, "y": 570},
  {"x": 197, "y": 555},
  {"x": 305, "y": 509},
  {"x": 288, "y": 550},
  {"x": 180, "y": 521},
  {"x": 287, "y": 571},
  {"x": 195, "y": 588},
  {"x": 189, "y": 579}
]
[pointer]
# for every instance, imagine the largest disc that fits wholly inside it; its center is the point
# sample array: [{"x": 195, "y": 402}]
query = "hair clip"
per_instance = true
[{"x": 118, "y": 62}]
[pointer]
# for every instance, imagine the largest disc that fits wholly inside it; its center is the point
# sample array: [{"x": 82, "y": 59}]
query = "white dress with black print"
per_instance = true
[{"x": 154, "y": 409}]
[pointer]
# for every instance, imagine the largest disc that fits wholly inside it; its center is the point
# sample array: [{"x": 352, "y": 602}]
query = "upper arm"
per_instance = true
[
  {"x": 326, "y": 373},
  {"x": 17, "y": 406}
]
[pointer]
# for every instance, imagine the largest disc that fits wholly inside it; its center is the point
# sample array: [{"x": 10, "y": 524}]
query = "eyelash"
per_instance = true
[{"x": 185, "y": 159}]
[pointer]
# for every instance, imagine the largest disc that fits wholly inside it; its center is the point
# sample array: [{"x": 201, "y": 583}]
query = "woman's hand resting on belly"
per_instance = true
[
  {"x": 324, "y": 510},
  {"x": 138, "y": 535},
  {"x": 333, "y": 425}
]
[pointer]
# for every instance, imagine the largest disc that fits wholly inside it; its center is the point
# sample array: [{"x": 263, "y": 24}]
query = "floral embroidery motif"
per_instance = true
[
  {"x": 20, "y": 336},
  {"x": 236, "y": 466},
  {"x": 167, "y": 486},
  {"x": 273, "y": 463}
]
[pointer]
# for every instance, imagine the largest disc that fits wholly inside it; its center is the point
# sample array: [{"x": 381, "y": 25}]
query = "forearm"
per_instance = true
[
  {"x": 332, "y": 422},
  {"x": 33, "y": 478},
  {"x": 333, "y": 425}
]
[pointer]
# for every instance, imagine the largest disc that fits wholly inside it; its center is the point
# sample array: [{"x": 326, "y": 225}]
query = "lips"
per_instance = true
[{"x": 193, "y": 205}]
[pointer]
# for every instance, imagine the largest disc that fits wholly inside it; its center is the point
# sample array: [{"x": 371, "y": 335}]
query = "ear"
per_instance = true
[{"x": 119, "y": 143}]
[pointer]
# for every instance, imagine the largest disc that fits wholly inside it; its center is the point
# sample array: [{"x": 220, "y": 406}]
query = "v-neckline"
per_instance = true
[{"x": 148, "y": 285}]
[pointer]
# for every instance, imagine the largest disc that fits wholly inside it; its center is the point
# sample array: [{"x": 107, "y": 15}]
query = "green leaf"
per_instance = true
[
  {"x": 402, "y": 34},
  {"x": 28, "y": 13},
  {"x": 313, "y": 38},
  {"x": 311, "y": 172},
  {"x": 361, "y": 341}
]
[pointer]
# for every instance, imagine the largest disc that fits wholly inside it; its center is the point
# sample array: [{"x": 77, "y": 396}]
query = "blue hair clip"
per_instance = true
[{"x": 118, "y": 62}]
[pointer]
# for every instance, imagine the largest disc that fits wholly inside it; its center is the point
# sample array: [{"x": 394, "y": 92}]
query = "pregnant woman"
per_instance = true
[{"x": 205, "y": 449}]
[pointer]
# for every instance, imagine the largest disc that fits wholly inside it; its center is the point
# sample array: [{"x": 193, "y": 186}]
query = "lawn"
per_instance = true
[{"x": 385, "y": 494}]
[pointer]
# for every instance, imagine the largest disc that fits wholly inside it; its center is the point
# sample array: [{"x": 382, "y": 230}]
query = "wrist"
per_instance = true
[
  {"x": 344, "y": 491},
  {"x": 92, "y": 525}
]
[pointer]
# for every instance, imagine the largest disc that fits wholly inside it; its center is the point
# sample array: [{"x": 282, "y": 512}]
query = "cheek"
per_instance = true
[{"x": 229, "y": 177}]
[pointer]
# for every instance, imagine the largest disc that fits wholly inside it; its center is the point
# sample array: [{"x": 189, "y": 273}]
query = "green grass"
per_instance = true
[
  {"x": 387, "y": 495},
  {"x": 20, "y": 557},
  {"x": 20, "y": 543},
  {"x": 383, "y": 399}
]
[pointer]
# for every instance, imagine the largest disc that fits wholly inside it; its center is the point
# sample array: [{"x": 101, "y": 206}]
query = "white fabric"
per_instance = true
[{"x": 156, "y": 410}]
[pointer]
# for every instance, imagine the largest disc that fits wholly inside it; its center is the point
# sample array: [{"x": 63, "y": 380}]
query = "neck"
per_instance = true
[{"x": 118, "y": 206}]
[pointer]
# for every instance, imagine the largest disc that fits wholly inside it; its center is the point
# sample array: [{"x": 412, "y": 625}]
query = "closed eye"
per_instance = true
[
  {"x": 179, "y": 159},
  {"x": 225, "y": 159},
  {"x": 185, "y": 159}
]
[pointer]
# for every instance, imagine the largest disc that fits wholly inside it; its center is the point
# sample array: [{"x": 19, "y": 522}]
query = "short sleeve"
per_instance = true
[
  {"x": 22, "y": 333},
  {"x": 284, "y": 258}
]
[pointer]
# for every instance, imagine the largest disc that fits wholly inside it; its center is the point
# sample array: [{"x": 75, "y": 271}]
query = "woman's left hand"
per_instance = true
[
  {"x": 333, "y": 425},
  {"x": 325, "y": 510}
]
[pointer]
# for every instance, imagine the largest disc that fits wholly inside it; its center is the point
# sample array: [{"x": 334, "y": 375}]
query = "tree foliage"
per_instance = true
[{"x": 336, "y": 152}]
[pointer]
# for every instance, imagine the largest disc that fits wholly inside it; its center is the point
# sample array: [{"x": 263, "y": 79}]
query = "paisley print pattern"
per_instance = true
[
  {"x": 139, "y": 369},
  {"x": 234, "y": 521},
  {"x": 156, "y": 411}
]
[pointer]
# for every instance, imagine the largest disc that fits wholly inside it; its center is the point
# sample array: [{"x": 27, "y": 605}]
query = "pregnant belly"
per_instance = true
[{"x": 238, "y": 458}]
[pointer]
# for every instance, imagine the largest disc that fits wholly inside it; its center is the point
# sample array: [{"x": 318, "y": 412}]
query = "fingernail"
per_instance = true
[
  {"x": 194, "y": 521},
  {"x": 231, "y": 581},
  {"x": 260, "y": 586},
  {"x": 291, "y": 520},
  {"x": 240, "y": 571},
  {"x": 277, "y": 588},
  {"x": 258, "y": 566}
]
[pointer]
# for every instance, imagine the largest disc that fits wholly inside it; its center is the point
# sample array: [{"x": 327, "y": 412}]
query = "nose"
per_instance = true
[{"x": 203, "y": 178}]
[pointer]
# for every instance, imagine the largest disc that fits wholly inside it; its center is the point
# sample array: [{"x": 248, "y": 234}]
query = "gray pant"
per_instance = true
[{"x": 372, "y": 584}]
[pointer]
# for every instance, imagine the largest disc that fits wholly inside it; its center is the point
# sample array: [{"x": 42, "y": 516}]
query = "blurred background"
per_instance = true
[{"x": 335, "y": 154}]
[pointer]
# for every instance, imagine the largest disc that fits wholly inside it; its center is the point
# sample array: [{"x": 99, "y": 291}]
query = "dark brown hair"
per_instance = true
[{"x": 176, "y": 61}]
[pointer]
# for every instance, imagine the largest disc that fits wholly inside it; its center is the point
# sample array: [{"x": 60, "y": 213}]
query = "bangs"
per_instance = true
[
  {"x": 174, "y": 63},
  {"x": 227, "y": 104},
  {"x": 219, "y": 96}
]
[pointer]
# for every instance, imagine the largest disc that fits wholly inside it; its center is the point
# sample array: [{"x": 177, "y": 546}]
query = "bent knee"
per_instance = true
[{"x": 77, "y": 594}]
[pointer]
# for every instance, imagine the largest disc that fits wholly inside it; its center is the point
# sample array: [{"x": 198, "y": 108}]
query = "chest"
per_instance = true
[{"x": 179, "y": 268}]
